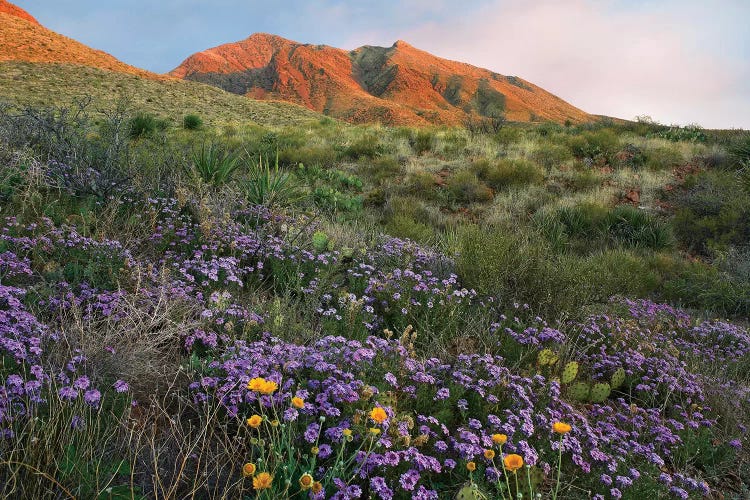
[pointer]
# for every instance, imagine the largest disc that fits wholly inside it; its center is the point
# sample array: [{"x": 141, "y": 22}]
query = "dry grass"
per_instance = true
[{"x": 43, "y": 84}]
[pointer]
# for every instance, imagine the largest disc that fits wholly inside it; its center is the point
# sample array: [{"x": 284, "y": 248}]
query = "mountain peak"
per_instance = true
[
  {"x": 16, "y": 11},
  {"x": 397, "y": 85}
]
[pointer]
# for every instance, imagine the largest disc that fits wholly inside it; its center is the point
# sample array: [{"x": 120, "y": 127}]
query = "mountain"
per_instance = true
[
  {"x": 22, "y": 38},
  {"x": 39, "y": 67},
  {"x": 399, "y": 85}
]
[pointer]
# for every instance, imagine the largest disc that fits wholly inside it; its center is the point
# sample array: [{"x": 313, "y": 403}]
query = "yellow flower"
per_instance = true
[
  {"x": 489, "y": 454},
  {"x": 263, "y": 386},
  {"x": 314, "y": 450},
  {"x": 298, "y": 402},
  {"x": 513, "y": 462},
  {"x": 374, "y": 431},
  {"x": 499, "y": 438},
  {"x": 248, "y": 469},
  {"x": 255, "y": 421},
  {"x": 274, "y": 423},
  {"x": 346, "y": 432},
  {"x": 306, "y": 481},
  {"x": 561, "y": 427},
  {"x": 471, "y": 466},
  {"x": 269, "y": 387},
  {"x": 262, "y": 481},
  {"x": 317, "y": 487},
  {"x": 378, "y": 415},
  {"x": 256, "y": 383}
]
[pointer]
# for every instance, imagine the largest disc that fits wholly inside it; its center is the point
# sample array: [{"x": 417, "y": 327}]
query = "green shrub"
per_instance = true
[
  {"x": 404, "y": 226},
  {"x": 551, "y": 155},
  {"x": 367, "y": 146},
  {"x": 383, "y": 169},
  {"x": 423, "y": 141},
  {"x": 465, "y": 187},
  {"x": 633, "y": 227},
  {"x": 269, "y": 186},
  {"x": 602, "y": 143},
  {"x": 213, "y": 164},
  {"x": 704, "y": 287},
  {"x": 505, "y": 173},
  {"x": 663, "y": 158},
  {"x": 192, "y": 122},
  {"x": 308, "y": 155},
  {"x": 420, "y": 183},
  {"x": 144, "y": 124}
]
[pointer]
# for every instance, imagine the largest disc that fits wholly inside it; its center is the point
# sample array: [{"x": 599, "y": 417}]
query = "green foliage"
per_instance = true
[
  {"x": 618, "y": 378},
  {"x": 269, "y": 186},
  {"x": 689, "y": 133},
  {"x": 505, "y": 173},
  {"x": 739, "y": 152},
  {"x": 192, "y": 122},
  {"x": 144, "y": 124},
  {"x": 330, "y": 199},
  {"x": 422, "y": 142},
  {"x": 579, "y": 391},
  {"x": 551, "y": 155},
  {"x": 636, "y": 228},
  {"x": 663, "y": 158},
  {"x": 600, "y": 144},
  {"x": 320, "y": 241},
  {"x": 465, "y": 187},
  {"x": 213, "y": 164},
  {"x": 367, "y": 146}
]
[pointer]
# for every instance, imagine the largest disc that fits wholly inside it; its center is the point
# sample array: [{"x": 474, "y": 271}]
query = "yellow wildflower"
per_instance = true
[
  {"x": 306, "y": 481},
  {"x": 255, "y": 421},
  {"x": 513, "y": 462},
  {"x": 378, "y": 415},
  {"x": 248, "y": 469},
  {"x": 489, "y": 454},
  {"x": 262, "y": 481},
  {"x": 471, "y": 466},
  {"x": 298, "y": 402},
  {"x": 499, "y": 438},
  {"x": 561, "y": 427}
]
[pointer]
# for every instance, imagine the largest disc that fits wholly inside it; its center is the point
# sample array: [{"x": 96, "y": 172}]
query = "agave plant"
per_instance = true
[
  {"x": 214, "y": 165},
  {"x": 269, "y": 186}
]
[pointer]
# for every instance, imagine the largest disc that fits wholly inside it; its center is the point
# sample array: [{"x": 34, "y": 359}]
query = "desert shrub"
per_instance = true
[
  {"x": 504, "y": 173},
  {"x": 465, "y": 187},
  {"x": 739, "y": 151},
  {"x": 404, "y": 226},
  {"x": 582, "y": 179},
  {"x": 600, "y": 144},
  {"x": 144, "y": 124},
  {"x": 192, "y": 122},
  {"x": 420, "y": 183},
  {"x": 308, "y": 155},
  {"x": 663, "y": 158},
  {"x": 700, "y": 286},
  {"x": 634, "y": 227},
  {"x": 712, "y": 211},
  {"x": 453, "y": 144},
  {"x": 630, "y": 156},
  {"x": 382, "y": 170},
  {"x": 508, "y": 135},
  {"x": 422, "y": 141},
  {"x": 269, "y": 186},
  {"x": 551, "y": 155},
  {"x": 213, "y": 164},
  {"x": 367, "y": 146}
]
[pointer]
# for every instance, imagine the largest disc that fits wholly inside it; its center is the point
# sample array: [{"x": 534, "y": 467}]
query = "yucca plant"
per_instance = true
[
  {"x": 214, "y": 165},
  {"x": 268, "y": 185}
]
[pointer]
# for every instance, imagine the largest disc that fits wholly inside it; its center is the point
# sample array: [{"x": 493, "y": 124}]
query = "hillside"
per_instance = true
[
  {"x": 37, "y": 84},
  {"x": 395, "y": 85},
  {"x": 22, "y": 38}
]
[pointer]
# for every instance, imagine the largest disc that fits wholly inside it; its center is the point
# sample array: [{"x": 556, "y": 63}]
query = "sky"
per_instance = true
[{"x": 677, "y": 61}]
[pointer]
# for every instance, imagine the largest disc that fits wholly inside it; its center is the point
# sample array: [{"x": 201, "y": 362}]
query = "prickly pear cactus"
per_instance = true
[
  {"x": 618, "y": 378},
  {"x": 579, "y": 391},
  {"x": 545, "y": 357},
  {"x": 320, "y": 241},
  {"x": 600, "y": 392},
  {"x": 570, "y": 372}
]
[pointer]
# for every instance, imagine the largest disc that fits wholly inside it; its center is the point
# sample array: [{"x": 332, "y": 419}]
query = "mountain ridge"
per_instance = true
[{"x": 400, "y": 84}]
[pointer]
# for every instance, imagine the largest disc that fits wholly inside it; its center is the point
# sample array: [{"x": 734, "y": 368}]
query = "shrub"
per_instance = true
[
  {"x": 423, "y": 141},
  {"x": 634, "y": 227},
  {"x": 268, "y": 186},
  {"x": 367, "y": 146},
  {"x": 663, "y": 158},
  {"x": 144, "y": 124},
  {"x": 192, "y": 122},
  {"x": 214, "y": 165},
  {"x": 465, "y": 187},
  {"x": 551, "y": 155},
  {"x": 505, "y": 173}
]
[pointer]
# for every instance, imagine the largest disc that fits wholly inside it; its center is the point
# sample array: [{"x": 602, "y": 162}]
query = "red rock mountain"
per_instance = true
[
  {"x": 22, "y": 38},
  {"x": 394, "y": 85}
]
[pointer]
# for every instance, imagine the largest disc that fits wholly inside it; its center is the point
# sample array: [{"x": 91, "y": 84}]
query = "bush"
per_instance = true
[
  {"x": 633, "y": 227},
  {"x": 422, "y": 142},
  {"x": 367, "y": 146},
  {"x": 214, "y": 165},
  {"x": 551, "y": 155},
  {"x": 465, "y": 187},
  {"x": 144, "y": 124},
  {"x": 663, "y": 158},
  {"x": 506, "y": 173},
  {"x": 192, "y": 122}
]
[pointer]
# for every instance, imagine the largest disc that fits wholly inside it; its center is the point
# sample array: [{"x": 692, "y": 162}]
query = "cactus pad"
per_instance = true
[
  {"x": 600, "y": 392},
  {"x": 569, "y": 372},
  {"x": 545, "y": 357},
  {"x": 618, "y": 378},
  {"x": 579, "y": 391}
]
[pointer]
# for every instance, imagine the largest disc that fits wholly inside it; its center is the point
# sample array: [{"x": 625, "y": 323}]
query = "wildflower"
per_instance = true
[
  {"x": 378, "y": 415},
  {"x": 255, "y": 421},
  {"x": 314, "y": 450},
  {"x": 374, "y": 431},
  {"x": 298, "y": 402},
  {"x": 489, "y": 454},
  {"x": 317, "y": 487},
  {"x": 499, "y": 439},
  {"x": 346, "y": 432},
  {"x": 561, "y": 427},
  {"x": 263, "y": 386},
  {"x": 262, "y": 481},
  {"x": 306, "y": 481},
  {"x": 248, "y": 469},
  {"x": 471, "y": 466},
  {"x": 513, "y": 462},
  {"x": 274, "y": 423}
]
